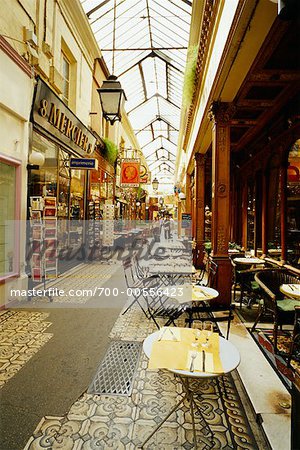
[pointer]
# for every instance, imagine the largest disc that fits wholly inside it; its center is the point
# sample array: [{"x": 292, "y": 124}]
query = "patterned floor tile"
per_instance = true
[
  {"x": 22, "y": 335},
  {"x": 113, "y": 422},
  {"x": 44, "y": 436}
]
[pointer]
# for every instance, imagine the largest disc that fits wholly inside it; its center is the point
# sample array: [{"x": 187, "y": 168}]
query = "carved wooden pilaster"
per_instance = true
[
  {"x": 199, "y": 207},
  {"x": 188, "y": 194},
  {"x": 220, "y": 116},
  {"x": 283, "y": 211},
  {"x": 264, "y": 213},
  {"x": 245, "y": 215}
]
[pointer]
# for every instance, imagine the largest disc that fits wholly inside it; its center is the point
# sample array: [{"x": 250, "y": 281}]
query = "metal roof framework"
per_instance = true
[{"x": 149, "y": 43}]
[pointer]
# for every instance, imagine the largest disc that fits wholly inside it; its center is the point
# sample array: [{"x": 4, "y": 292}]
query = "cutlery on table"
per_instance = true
[
  {"x": 203, "y": 361},
  {"x": 291, "y": 287},
  {"x": 193, "y": 357}
]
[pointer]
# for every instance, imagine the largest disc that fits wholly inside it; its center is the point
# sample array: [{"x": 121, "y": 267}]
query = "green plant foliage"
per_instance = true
[
  {"x": 234, "y": 246},
  {"x": 110, "y": 151},
  {"x": 189, "y": 76},
  {"x": 207, "y": 246},
  {"x": 140, "y": 190}
]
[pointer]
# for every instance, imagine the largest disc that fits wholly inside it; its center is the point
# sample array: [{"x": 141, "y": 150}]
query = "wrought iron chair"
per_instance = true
[
  {"x": 163, "y": 307},
  {"x": 210, "y": 280},
  {"x": 244, "y": 279},
  {"x": 281, "y": 309},
  {"x": 136, "y": 284},
  {"x": 211, "y": 309},
  {"x": 295, "y": 340}
]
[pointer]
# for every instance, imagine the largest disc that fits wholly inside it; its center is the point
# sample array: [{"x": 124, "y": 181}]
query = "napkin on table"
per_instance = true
[
  {"x": 169, "y": 334},
  {"x": 198, "y": 362}
]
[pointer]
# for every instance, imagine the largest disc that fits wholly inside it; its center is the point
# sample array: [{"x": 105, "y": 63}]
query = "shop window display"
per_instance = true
[{"x": 56, "y": 179}]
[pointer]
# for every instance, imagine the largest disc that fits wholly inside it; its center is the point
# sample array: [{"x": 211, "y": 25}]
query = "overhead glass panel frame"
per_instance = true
[{"x": 150, "y": 48}]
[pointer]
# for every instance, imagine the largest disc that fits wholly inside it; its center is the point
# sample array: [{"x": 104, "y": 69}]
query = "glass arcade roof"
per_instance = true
[{"x": 150, "y": 47}]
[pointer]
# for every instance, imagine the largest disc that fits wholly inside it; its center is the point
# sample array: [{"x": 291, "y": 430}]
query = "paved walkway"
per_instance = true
[
  {"x": 110, "y": 421},
  {"x": 50, "y": 352},
  {"x": 45, "y": 405}
]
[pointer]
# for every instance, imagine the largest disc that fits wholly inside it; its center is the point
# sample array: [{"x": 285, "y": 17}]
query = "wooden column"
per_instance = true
[
  {"x": 283, "y": 211},
  {"x": 245, "y": 215},
  {"x": 199, "y": 207},
  {"x": 179, "y": 218},
  {"x": 188, "y": 194},
  {"x": 264, "y": 212},
  {"x": 220, "y": 116}
]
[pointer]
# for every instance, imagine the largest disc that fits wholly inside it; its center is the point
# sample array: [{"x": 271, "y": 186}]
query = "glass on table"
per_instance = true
[
  {"x": 197, "y": 328},
  {"x": 208, "y": 329}
]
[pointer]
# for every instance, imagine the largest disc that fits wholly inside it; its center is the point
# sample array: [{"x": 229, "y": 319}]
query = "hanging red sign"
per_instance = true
[{"x": 130, "y": 172}]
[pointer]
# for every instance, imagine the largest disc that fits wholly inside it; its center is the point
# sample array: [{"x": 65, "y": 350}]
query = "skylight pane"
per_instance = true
[{"x": 153, "y": 88}]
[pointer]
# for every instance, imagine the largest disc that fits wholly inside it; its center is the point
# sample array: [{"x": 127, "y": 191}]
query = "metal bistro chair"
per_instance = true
[
  {"x": 210, "y": 307},
  {"x": 244, "y": 279},
  {"x": 212, "y": 269},
  {"x": 274, "y": 302},
  {"x": 164, "y": 307},
  {"x": 136, "y": 284},
  {"x": 295, "y": 340},
  {"x": 199, "y": 277}
]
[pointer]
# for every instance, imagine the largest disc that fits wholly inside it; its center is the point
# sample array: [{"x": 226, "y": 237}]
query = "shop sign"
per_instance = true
[
  {"x": 50, "y": 113},
  {"x": 84, "y": 163},
  {"x": 130, "y": 172},
  {"x": 143, "y": 174}
]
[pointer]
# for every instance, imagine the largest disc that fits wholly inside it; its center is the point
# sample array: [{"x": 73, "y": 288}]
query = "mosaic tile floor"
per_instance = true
[
  {"x": 114, "y": 422},
  {"x": 22, "y": 335}
]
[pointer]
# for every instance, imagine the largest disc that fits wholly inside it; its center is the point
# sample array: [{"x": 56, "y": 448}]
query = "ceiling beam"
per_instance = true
[
  {"x": 97, "y": 7},
  {"x": 152, "y": 131},
  {"x": 156, "y": 95},
  {"x": 138, "y": 49},
  {"x": 143, "y": 80}
]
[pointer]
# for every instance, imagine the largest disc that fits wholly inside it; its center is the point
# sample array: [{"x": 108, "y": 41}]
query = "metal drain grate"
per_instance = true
[{"x": 115, "y": 375}]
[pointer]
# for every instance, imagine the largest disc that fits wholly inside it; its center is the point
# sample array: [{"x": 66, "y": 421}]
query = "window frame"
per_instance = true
[
  {"x": 17, "y": 164},
  {"x": 64, "y": 57}
]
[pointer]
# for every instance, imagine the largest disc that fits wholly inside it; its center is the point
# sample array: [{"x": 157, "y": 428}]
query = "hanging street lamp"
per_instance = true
[
  {"x": 112, "y": 98},
  {"x": 155, "y": 184}
]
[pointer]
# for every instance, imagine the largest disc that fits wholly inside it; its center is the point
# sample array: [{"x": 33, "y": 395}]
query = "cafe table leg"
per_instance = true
[
  {"x": 164, "y": 420},
  {"x": 190, "y": 396}
]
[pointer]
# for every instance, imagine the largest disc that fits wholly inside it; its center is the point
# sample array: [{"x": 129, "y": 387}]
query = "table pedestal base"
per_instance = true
[{"x": 189, "y": 396}]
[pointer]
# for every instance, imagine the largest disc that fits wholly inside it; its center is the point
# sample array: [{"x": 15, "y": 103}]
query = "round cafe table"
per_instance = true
[
  {"x": 187, "y": 293},
  {"x": 249, "y": 261},
  {"x": 194, "y": 296},
  {"x": 291, "y": 290},
  {"x": 230, "y": 359}
]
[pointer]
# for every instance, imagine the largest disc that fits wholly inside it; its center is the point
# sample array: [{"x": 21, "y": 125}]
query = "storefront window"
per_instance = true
[
  {"x": 8, "y": 198},
  {"x": 293, "y": 205},
  {"x": 63, "y": 185},
  {"x": 43, "y": 182}
]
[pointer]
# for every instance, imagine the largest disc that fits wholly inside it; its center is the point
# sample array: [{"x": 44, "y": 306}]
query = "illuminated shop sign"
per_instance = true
[{"x": 50, "y": 113}]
